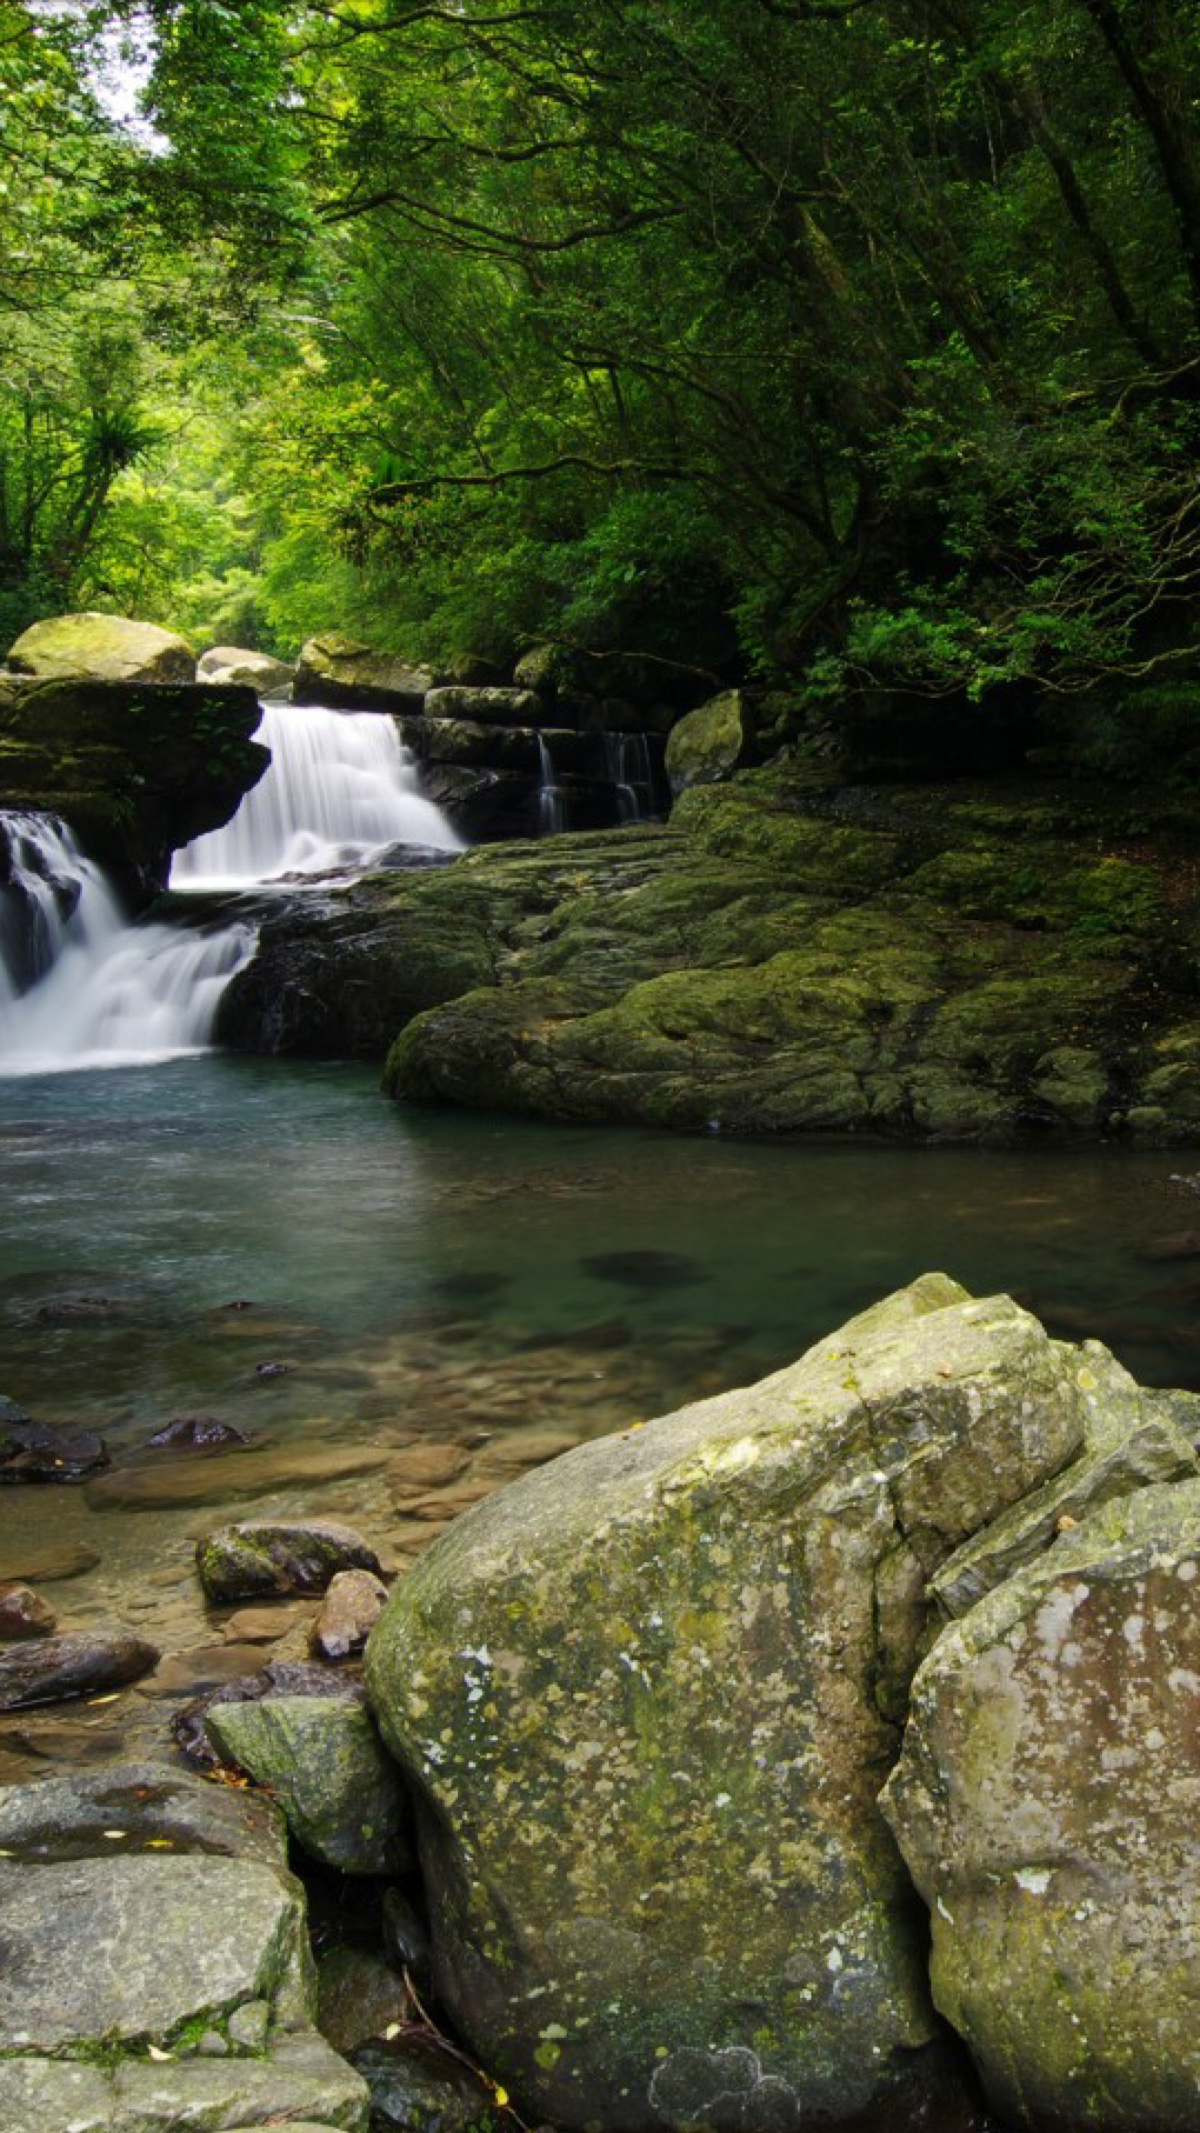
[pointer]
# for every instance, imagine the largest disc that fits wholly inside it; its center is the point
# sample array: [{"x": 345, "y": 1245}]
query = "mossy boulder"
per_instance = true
[
  {"x": 713, "y": 742},
  {"x": 341, "y": 672},
  {"x": 1046, "y": 1804},
  {"x": 91, "y": 647},
  {"x": 279, "y": 1557},
  {"x": 937, "y": 963},
  {"x": 137, "y": 769},
  {"x": 647, "y": 1697},
  {"x": 322, "y": 1761}
]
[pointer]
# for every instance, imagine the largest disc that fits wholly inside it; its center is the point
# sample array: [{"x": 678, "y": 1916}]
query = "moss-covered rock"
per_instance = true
[
  {"x": 91, "y": 647},
  {"x": 785, "y": 956},
  {"x": 137, "y": 769},
  {"x": 321, "y": 1759},
  {"x": 709, "y": 744},
  {"x": 278, "y": 1556},
  {"x": 348, "y": 675},
  {"x": 647, "y": 1696},
  {"x": 1046, "y": 1804}
]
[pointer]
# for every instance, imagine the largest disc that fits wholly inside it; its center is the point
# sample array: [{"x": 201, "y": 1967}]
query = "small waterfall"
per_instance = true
[
  {"x": 631, "y": 775},
  {"x": 340, "y": 790},
  {"x": 553, "y": 813},
  {"x": 79, "y": 986}
]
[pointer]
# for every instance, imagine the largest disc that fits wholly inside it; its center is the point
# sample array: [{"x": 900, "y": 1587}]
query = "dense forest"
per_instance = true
[{"x": 851, "y": 346}]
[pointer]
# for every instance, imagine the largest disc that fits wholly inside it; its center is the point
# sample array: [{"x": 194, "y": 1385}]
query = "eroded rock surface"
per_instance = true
[
  {"x": 647, "y": 1697},
  {"x": 1047, "y": 1804},
  {"x": 156, "y": 1971}
]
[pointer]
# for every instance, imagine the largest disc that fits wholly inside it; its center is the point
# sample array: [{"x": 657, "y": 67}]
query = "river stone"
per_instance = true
[
  {"x": 351, "y": 1608},
  {"x": 79, "y": 1663},
  {"x": 1047, "y": 1803},
  {"x": 91, "y": 647},
  {"x": 491, "y": 707},
  {"x": 143, "y": 1909},
  {"x": 84, "y": 1946},
  {"x": 242, "y": 1562},
  {"x": 24, "y": 1613},
  {"x": 322, "y": 1759},
  {"x": 648, "y": 1695}
]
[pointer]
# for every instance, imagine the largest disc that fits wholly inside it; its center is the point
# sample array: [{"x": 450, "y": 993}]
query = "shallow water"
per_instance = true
[{"x": 497, "y": 1286}]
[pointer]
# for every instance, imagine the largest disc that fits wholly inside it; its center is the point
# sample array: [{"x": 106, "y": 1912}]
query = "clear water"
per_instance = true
[
  {"x": 298, "y": 1188},
  {"x": 441, "y": 1278}
]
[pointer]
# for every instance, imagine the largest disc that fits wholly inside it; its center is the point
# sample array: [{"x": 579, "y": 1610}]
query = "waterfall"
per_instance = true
[
  {"x": 553, "y": 815},
  {"x": 79, "y": 986},
  {"x": 631, "y": 775},
  {"x": 341, "y": 789}
]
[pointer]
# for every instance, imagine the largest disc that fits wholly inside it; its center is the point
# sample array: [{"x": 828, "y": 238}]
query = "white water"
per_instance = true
[
  {"x": 631, "y": 775},
  {"x": 112, "y": 994},
  {"x": 553, "y": 814},
  {"x": 340, "y": 790}
]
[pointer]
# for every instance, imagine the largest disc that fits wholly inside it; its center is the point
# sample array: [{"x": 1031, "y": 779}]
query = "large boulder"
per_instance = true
[
  {"x": 349, "y": 676},
  {"x": 156, "y": 1969},
  {"x": 271, "y": 679},
  {"x": 92, "y": 647},
  {"x": 713, "y": 742},
  {"x": 137, "y": 769},
  {"x": 647, "y": 1697},
  {"x": 1047, "y": 1805}
]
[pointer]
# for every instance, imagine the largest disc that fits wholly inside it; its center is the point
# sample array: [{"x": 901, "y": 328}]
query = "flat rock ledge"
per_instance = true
[{"x": 156, "y": 1970}]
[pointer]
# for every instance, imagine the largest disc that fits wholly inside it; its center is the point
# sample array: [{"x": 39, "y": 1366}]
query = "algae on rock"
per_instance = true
[
  {"x": 1047, "y": 1805},
  {"x": 647, "y": 1698}
]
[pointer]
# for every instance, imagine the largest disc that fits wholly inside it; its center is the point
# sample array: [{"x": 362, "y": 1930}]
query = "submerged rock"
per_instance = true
[
  {"x": 1046, "y": 1803},
  {"x": 79, "y": 1663},
  {"x": 196, "y": 1433},
  {"x": 322, "y": 1760},
  {"x": 647, "y": 1697},
  {"x": 29, "y": 1452},
  {"x": 282, "y": 1556}
]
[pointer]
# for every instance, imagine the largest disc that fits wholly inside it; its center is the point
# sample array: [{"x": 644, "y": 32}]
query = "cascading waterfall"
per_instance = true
[
  {"x": 81, "y": 987},
  {"x": 631, "y": 775},
  {"x": 104, "y": 993},
  {"x": 553, "y": 816},
  {"x": 340, "y": 790}
]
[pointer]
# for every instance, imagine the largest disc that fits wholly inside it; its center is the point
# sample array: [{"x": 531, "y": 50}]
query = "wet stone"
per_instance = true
[
  {"x": 359, "y": 1995},
  {"x": 24, "y": 1614},
  {"x": 414, "y": 2083},
  {"x": 263, "y": 1625},
  {"x": 352, "y": 1606},
  {"x": 195, "y": 1433},
  {"x": 29, "y": 1452},
  {"x": 53, "y": 1669}
]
